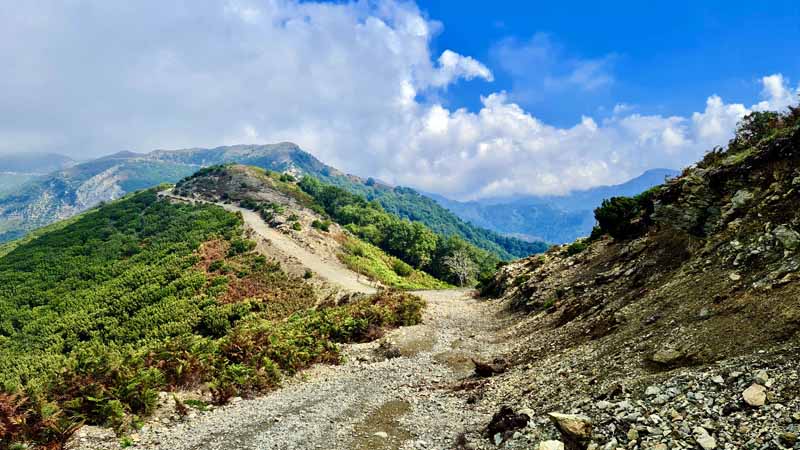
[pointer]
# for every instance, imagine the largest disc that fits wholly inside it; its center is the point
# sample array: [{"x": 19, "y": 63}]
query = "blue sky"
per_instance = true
[
  {"x": 664, "y": 57},
  {"x": 468, "y": 99}
]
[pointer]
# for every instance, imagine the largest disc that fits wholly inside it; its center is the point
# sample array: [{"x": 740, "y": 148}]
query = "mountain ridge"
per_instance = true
[
  {"x": 74, "y": 189},
  {"x": 550, "y": 218}
]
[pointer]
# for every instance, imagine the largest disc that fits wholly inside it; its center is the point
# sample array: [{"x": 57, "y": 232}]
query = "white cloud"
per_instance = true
[
  {"x": 453, "y": 66},
  {"x": 343, "y": 80}
]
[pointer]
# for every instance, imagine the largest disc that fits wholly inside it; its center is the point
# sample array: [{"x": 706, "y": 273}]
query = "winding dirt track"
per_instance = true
[{"x": 368, "y": 402}]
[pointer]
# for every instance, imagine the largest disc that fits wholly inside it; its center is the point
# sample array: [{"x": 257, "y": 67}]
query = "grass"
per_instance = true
[{"x": 372, "y": 262}]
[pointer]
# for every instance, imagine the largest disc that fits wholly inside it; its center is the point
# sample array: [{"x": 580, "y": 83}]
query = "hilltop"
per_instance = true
[{"x": 64, "y": 193}]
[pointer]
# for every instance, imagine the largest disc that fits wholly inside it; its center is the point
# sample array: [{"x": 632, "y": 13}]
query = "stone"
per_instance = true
[
  {"x": 741, "y": 198},
  {"x": 652, "y": 391},
  {"x": 755, "y": 395},
  {"x": 788, "y": 439},
  {"x": 602, "y": 404},
  {"x": 667, "y": 356},
  {"x": 734, "y": 276},
  {"x": 761, "y": 377},
  {"x": 718, "y": 379},
  {"x": 703, "y": 439},
  {"x": 575, "y": 429},
  {"x": 382, "y": 434},
  {"x": 551, "y": 445},
  {"x": 789, "y": 238},
  {"x": 659, "y": 447},
  {"x": 633, "y": 434}
]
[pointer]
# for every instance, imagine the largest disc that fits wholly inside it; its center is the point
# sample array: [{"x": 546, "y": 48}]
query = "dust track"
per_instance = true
[{"x": 409, "y": 398}]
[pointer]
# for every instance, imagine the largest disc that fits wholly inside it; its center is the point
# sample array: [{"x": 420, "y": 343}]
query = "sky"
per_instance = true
[{"x": 466, "y": 99}]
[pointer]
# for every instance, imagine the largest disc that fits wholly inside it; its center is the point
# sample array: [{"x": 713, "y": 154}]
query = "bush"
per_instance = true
[
  {"x": 239, "y": 246},
  {"x": 321, "y": 225},
  {"x": 296, "y": 226},
  {"x": 617, "y": 215},
  {"x": 576, "y": 247},
  {"x": 402, "y": 268}
]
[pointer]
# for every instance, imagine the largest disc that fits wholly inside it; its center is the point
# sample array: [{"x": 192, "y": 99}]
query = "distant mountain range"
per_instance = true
[
  {"x": 74, "y": 189},
  {"x": 18, "y": 168},
  {"x": 556, "y": 219}
]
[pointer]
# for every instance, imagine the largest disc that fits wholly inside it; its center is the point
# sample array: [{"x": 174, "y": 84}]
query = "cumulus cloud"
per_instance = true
[{"x": 343, "y": 80}]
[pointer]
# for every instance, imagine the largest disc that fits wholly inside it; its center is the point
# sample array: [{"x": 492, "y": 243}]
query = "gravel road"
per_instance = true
[{"x": 368, "y": 402}]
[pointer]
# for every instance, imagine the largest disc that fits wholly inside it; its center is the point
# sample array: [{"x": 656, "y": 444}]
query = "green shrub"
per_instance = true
[
  {"x": 239, "y": 246},
  {"x": 402, "y": 268},
  {"x": 321, "y": 225},
  {"x": 617, "y": 217},
  {"x": 296, "y": 226},
  {"x": 576, "y": 247}
]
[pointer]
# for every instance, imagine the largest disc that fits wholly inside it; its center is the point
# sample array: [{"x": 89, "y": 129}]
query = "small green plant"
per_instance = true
[
  {"x": 293, "y": 217},
  {"x": 126, "y": 441},
  {"x": 521, "y": 279},
  {"x": 296, "y": 226},
  {"x": 576, "y": 247},
  {"x": 308, "y": 274},
  {"x": 197, "y": 404},
  {"x": 321, "y": 225}
]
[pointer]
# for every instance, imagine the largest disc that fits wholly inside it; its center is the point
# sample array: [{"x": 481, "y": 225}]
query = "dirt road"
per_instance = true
[{"x": 369, "y": 402}]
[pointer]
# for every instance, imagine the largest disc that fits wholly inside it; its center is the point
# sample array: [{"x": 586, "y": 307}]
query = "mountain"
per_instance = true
[
  {"x": 33, "y": 163},
  {"x": 69, "y": 191},
  {"x": 682, "y": 313},
  {"x": 549, "y": 218},
  {"x": 18, "y": 168}
]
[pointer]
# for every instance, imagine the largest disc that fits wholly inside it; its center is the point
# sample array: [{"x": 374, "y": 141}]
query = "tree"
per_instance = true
[{"x": 461, "y": 265}]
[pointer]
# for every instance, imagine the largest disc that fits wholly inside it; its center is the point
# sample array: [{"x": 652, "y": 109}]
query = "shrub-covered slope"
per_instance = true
[
  {"x": 284, "y": 206},
  {"x": 143, "y": 295},
  {"x": 695, "y": 280}
]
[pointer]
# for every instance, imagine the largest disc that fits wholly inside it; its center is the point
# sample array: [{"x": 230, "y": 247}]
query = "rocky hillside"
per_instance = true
[
  {"x": 64, "y": 193},
  {"x": 674, "y": 326}
]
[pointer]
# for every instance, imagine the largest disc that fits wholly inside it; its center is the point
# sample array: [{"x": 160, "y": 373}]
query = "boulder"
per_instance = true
[
  {"x": 789, "y": 239},
  {"x": 551, "y": 445},
  {"x": 703, "y": 439},
  {"x": 755, "y": 395},
  {"x": 575, "y": 429}
]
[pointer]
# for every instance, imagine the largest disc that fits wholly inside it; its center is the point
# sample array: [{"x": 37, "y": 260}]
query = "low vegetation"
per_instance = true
[
  {"x": 411, "y": 242},
  {"x": 370, "y": 261},
  {"x": 142, "y": 296}
]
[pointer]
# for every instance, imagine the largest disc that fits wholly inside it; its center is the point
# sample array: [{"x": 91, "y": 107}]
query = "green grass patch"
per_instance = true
[{"x": 372, "y": 262}]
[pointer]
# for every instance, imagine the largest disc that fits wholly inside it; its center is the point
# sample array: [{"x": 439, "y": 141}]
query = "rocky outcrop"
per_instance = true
[{"x": 684, "y": 333}]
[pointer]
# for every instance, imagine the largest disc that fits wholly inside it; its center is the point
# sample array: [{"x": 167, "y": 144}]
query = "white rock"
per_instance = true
[
  {"x": 382, "y": 434},
  {"x": 652, "y": 391},
  {"x": 551, "y": 445},
  {"x": 755, "y": 395},
  {"x": 704, "y": 439}
]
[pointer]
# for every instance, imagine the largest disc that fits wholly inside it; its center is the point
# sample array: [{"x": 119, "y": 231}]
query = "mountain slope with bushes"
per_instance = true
[
  {"x": 362, "y": 230},
  {"x": 144, "y": 295},
  {"x": 67, "y": 192},
  {"x": 677, "y": 324}
]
